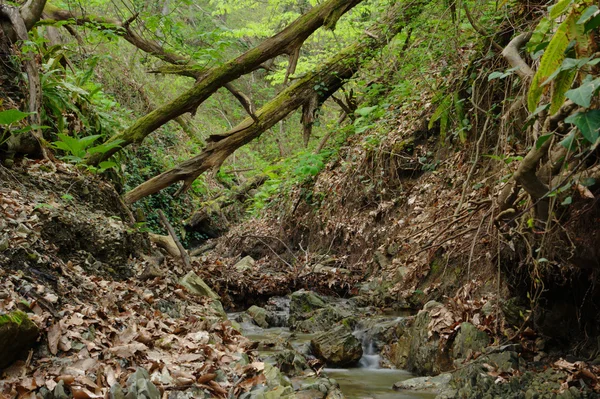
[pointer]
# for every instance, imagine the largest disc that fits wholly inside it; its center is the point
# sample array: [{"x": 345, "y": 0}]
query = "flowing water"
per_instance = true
[{"x": 367, "y": 380}]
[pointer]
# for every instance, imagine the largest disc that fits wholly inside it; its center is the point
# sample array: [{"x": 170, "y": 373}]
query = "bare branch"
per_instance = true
[{"x": 511, "y": 54}]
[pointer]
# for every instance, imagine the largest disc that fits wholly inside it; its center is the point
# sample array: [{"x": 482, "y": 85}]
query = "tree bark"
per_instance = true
[{"x": 330, "y": 76}]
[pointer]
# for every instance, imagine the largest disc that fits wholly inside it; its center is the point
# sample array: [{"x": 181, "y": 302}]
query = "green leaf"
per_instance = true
[
  {"x": 592, "y": 24},
  {"x": 567, "y": 201},
  {"x": 105, "y": 147},
  {"x": 538, "y": 36},
  {"x": 559, "y": 8},
  {"x": 587, "y": 14},
  {"x": 563, "y": 83},
  {"x": 365, "y": 111},
  {"x": 11, "y": 116},
  {"x": 540, "y": 142},
  {"x": 541, "y": 108},
  {"x": 569, "y": 141},
  {"x": 583, "y": 94},
  {"x": 550, "y": 62},
  {"x": 588, "y": 124},
  {"x": 87, "y": 141},
  {"x": 588, "y": 182}
]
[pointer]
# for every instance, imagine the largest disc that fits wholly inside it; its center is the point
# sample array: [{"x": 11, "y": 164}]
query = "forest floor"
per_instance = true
[{"x": 106, "y": 302}]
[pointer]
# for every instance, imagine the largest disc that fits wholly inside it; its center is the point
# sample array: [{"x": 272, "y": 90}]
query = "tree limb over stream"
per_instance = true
[{"x": 332, "y": 75}]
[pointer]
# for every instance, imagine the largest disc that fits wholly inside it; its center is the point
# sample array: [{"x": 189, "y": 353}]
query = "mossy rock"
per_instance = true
[
  {"x": 17, "y": 334},
  {"x": 468, "y": 341},
  {"x": 303, "y": 303},
  {"x": 259, "y": 316},
  {"x": 337, "y": 347}
]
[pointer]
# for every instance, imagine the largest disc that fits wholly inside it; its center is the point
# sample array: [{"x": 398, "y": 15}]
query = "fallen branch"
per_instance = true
[
  {"x": 325, "y": 14},
  {"x": 331, "y": 75},
  {"x": 184, "y": 255}
]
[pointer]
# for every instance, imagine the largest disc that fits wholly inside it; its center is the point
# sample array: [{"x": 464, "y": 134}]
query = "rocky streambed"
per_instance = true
[
  {"x": 310, "y": 338},
  {"x": 362, "y": 353}
]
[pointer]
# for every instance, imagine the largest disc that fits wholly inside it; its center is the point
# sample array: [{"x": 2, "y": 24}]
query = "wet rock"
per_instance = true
[
  {"x": 320, "y": 388},
  {"x": 337, "y": 347},
  {"x": 259, "y": 316},
  {"x": 291, "y": 362},
  {"x": 278, "y": 311},
  {"x": 244, "y": 264},
  {"x": 17, "y": 334},
  {"x": 426, "y": 356},
  {"x": 321, "y": 319},
  {"x": 218, "y": 309},
  {"x": 436, "y": 384},
  {"x": 382, "y": 330},
  {"x": 469, "y": 340},
  {"x": 397, "y": 352},
  {"x": 303, "y": 303},
  {"x": 475, "y": 381},
  {"x": 196, "y": 286}
]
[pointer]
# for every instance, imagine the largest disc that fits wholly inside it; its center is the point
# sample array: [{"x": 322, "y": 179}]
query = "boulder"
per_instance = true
[
  {"x": 432, "y": 384},
  {"x": 381, "y": 330},
  {"x": 291, "y": 362},
  {"x": 468, "y": 341},
  {"x": 303, "y": 303},
  {"x": 337, "y": 347},
  {"x": 321, "y": 320},
  {"x": 397, "y": 352},
  {"x": 259, "y": 316},
  {"x": 244, "y": 264},
  {"x": 513, "y": 311},
  {"x": 196, "y": 286},
  {"x": 17, "y": 334},
  {"x": 426, "y": 355}
]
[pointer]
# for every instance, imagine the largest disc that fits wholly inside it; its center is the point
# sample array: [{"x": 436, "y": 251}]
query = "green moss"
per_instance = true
[{"x": 16, "y": 317}]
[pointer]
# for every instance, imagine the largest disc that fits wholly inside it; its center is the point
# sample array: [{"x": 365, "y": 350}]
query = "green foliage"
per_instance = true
[
  {"x": 556, "y": 65},
  {"x": 10, "y": 116}
]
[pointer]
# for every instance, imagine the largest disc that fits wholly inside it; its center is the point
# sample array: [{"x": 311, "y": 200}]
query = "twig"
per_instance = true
[{"x": 184, "y": 255}]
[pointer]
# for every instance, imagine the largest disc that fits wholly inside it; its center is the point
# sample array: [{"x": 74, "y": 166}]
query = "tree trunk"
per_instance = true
[{"x": 331, "y": 76}]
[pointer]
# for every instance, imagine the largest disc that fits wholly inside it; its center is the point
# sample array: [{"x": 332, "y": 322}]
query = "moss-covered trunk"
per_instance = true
[
  {"x": 291, "y": 37},
  {"x": 331, "y": 75}
]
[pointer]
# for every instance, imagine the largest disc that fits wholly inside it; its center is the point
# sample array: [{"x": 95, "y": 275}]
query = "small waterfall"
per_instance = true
[{"x": 370, "y": 358}]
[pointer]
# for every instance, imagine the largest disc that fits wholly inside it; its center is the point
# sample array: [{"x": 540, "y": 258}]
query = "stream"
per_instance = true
[{"x": 366, "y": 380}]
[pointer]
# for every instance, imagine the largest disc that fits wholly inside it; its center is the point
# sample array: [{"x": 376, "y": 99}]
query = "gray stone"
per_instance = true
[
  {"x": 17, "y": 334},
  {"x": 337, "y": 347},
  {"x": 196, "y": 286},
  {"x": 4, "y": 244},
  {"x": 469, "y": 340},
  {"x": 426, "y": 356},
  {"x": 291, "y": 362},
  {"x": 322, "y": 319},
  {"x": 303, "y": 303},
  {"x": 436, "y": 384},
  {"x": 259, "y": 316},
  {"x": 244, "y": 264}
]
